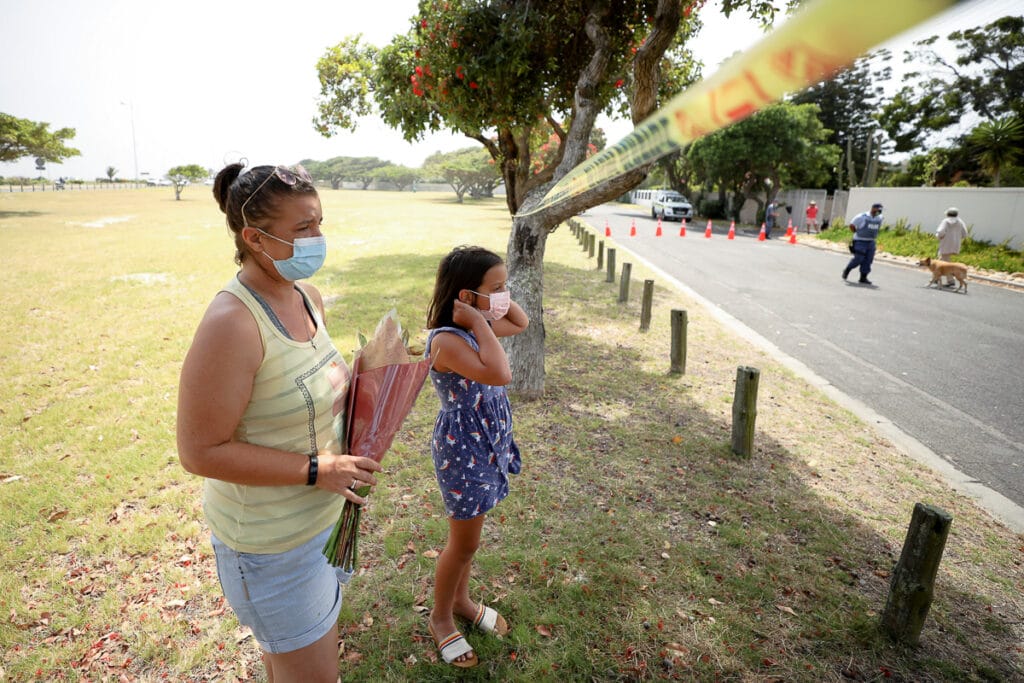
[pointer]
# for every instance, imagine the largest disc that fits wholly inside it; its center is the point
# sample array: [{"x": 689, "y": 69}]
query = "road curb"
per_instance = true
[{"x": 998, "y": 506}]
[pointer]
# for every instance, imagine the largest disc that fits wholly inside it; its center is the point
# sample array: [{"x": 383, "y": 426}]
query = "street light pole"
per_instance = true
[{"x": 135, "y": 151}]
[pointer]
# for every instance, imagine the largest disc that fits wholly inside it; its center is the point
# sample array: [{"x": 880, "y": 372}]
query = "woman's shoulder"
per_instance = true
[{"x": 228, "y": 320}]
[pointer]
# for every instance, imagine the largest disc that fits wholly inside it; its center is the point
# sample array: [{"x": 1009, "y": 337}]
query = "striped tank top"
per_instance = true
[{"x": 297, "y": 402}]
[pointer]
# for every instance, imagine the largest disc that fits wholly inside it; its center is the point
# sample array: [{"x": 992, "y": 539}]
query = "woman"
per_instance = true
[{"x": 260, "y": 389}]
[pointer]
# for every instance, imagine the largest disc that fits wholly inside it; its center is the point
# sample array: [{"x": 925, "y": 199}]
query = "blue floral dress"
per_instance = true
[{"x": 473, "y": 448}]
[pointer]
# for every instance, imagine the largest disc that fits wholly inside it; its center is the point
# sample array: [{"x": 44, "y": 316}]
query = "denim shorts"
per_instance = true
[{"x": 289, "y": 600}]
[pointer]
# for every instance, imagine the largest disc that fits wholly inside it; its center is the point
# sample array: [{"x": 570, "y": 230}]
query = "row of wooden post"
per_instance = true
[{"x": 913, "y": 580}]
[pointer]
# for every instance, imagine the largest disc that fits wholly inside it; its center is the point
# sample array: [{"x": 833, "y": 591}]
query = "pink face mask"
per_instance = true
[{"x": 500, "y": 303}]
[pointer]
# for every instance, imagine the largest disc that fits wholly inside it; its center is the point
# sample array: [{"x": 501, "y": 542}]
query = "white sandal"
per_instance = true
[
  {"x": 452, "y": 647},
  {"x": 489, "y": 621}
]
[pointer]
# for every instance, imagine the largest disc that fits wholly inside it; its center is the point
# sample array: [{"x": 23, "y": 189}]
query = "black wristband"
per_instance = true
[{"x": 314, "y": 466}]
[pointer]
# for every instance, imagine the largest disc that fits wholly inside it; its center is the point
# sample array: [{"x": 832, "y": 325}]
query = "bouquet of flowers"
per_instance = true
[{"x": 386, "y": 379}]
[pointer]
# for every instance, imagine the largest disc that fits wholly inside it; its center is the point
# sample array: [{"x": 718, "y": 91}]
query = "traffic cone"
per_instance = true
[
  {"x": 657, "y": 233},
  {"x": 632, "y": 229},
  {"x": 707, "y": 232},
  {"x": 792, "y": 237},
  {"x": 789, "y": 228},
  {"x": 607, "y": 230},
  {"x": 732, "y": 231},
  {"x": 761, "y": 235},
  {"x": 682, "y": 229}
]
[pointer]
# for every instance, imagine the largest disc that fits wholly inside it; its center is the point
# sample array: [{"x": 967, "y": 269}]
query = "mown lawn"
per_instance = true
[{"x": 634, "y": 546}]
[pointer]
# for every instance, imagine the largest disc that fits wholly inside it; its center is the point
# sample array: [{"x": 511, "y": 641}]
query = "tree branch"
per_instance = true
[{"x": 647, "y": 62}]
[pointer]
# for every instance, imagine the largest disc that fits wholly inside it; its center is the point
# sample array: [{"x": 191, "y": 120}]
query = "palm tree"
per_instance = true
[
  {"x": 111, "y": 172},
  {"x": 997, "y": 144}
]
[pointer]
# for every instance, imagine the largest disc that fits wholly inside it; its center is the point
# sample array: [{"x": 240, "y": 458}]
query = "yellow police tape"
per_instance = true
[{"x": 812, "y": 45}]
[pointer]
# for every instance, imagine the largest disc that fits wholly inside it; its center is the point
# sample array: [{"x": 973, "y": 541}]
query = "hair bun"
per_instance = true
[{"x": 222, "y": 184}]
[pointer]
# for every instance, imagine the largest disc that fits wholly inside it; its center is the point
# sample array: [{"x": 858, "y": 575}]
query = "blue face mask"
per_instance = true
[{"x": 308, "y": 254}]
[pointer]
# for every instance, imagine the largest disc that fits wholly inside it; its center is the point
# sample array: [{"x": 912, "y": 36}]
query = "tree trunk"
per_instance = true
[
  {"x": 526, "y": 278},
  {"x": 528, "y": 238},
  {"x": 851, "y": 168}
]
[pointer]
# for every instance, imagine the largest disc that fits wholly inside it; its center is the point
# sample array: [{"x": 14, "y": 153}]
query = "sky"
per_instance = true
[{"x": 148, "y": 86}]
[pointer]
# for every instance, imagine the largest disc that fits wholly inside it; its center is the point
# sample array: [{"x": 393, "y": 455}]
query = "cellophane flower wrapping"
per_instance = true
[{"x": 387, "y": 376}]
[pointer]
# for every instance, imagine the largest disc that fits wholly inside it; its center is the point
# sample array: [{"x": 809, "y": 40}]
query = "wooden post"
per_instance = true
[
  {"x": 645, "y": 305},
  {"x": 600, "y": 254},
  {"x": 678, "y": 357},
  {"x": 627, "y": 269},
  {"x": 913, "y": 580},
  {"x": 584, "y": 238},
  {"x": 611, "y": 266},
  {"x": 744, "y": 411},
  {"x": 590, "y": 245}
]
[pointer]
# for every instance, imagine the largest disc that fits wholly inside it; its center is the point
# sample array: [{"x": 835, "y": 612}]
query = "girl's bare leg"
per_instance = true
[{"x": 451, "y": 577}]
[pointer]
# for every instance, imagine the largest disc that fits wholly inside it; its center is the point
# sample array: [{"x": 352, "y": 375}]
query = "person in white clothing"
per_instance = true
[{"x": 951, "y": 233}]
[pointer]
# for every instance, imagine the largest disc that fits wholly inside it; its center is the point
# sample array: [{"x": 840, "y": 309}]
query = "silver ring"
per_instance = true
[{"x": 355, "y": 484}]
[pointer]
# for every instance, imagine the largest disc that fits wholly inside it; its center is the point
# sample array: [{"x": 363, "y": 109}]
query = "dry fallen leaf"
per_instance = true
[
  {"x": 430, "y": 554},
  {"x": 544, "y": 630},
  {"x": 787, "y": 610},
  {"x": 57, "y": 514}
]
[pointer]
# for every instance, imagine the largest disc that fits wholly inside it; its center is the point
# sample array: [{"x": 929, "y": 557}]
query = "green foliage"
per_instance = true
[
  {"x": 998, "y": 144},
  {"x": 938, "y": 167},
  {"x": 711, "y": 208},
  {"x": 847, "y": 103},
  {"x": 182, "y": 175},
  {"x": 783, "y": 144},
  {"x": 986, "y": 78},
  {"x": 399, "y": 176},
  {"x": 469, "y": 170},
  {"x": 508, "y": 69},
  {"x": 339, "y": 169},
  {"x": 24, "y": 138},
  {"x": 345, "y": 85}
]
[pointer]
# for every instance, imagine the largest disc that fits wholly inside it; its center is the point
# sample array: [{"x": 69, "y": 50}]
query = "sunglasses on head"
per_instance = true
[{"x": 288, "y": 176}]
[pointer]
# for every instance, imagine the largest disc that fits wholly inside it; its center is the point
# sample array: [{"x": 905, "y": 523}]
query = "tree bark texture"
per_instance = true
[
  {"x": 744, "y": 411},
  {"x": 913, "y": 580}
]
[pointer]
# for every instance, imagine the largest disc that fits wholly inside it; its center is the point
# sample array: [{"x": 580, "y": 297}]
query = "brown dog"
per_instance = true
[{"x": 945, "y": 268}]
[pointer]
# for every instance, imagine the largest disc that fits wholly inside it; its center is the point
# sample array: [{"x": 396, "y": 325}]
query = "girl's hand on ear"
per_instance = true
[{"x": 465, "y": 315}]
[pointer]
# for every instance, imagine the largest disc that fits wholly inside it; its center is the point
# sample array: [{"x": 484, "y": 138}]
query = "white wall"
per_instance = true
[{"x": 992, "y": 214}]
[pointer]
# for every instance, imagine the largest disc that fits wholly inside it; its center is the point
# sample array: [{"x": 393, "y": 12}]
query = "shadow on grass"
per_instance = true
[
  {"x": 635, "y": 546},
  {"x": 21, "y": 214}
]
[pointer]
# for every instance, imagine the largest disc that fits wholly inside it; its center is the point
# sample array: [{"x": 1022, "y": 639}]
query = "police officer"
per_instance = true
[{"x": 865, "y": 227}]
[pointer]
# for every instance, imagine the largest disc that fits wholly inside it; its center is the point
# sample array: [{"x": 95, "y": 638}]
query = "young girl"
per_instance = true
[{"x": 472, "y": 443}]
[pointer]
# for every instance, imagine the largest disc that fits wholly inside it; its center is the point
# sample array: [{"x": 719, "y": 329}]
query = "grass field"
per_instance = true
[{"x": 634, "y": 546}]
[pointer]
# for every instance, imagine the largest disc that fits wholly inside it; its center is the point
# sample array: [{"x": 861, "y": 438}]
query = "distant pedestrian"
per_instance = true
[
  {"x": 771, "y": 215},
  {"x": 952, "y": 231},
  {"x": 812, "y": 217},
  {"x": 865, "y": 227}
]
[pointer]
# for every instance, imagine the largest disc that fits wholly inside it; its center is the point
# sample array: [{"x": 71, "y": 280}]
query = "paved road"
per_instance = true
[{"x": 945, "y": 368}]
